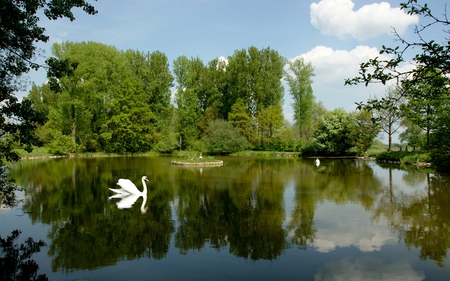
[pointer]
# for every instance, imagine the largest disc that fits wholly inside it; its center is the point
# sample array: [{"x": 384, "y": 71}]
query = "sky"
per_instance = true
[{"x": 335, "y": 36}]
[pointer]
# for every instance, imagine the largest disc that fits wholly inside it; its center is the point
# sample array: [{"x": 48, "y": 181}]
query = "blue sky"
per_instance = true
[{"x": 334, "y": 35}]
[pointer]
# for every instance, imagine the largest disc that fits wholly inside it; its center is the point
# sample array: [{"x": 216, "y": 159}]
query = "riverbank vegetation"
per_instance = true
[{"x": 121, "y": 102}]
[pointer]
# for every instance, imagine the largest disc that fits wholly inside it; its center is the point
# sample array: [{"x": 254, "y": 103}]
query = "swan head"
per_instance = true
[{"x": 145, "y": 178}]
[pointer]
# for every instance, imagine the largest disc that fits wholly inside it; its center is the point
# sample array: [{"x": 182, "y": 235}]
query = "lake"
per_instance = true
[{"x": 250, "y": 219}]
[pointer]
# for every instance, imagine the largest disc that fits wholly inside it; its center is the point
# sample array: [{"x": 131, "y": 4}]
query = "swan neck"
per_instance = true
[{"x": 144, "y": 191}]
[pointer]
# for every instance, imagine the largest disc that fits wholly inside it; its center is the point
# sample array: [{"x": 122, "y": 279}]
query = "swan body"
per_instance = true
[
  {"x": 317, "y": 162},
  {"x": 128, "y": 187}
]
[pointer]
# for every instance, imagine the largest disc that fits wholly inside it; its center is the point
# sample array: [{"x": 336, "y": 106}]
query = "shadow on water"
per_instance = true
[{"x": 15, "y": 259}]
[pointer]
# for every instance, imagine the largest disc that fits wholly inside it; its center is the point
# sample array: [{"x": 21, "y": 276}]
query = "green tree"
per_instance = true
[
  {"x": 300, "y": 81},
  {"x": 425, "y": 101},
  {"x": 188, "y": 112},
  {"x": 255, "y": 76},
  {"x": 364, "y": 132},
  {"x": 386, "y": 112},
  {"x": 430, "y": 63},
  {"x": 270, "y": 124},
  {"x": 19, "y": 37},
  {"x": 413, "y": 135},
  {"x": 222, "y": 138},
  {"x": 128, "y": 128},
  {"x": 334, "y": 133},
  {"x": 240, "y": 118},
  {"x": 433, "y": 55},
  {"x": 73, "y": 87}
]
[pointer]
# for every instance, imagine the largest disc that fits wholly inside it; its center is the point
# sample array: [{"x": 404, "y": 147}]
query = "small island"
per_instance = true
[{"x": 200, "y": 161}]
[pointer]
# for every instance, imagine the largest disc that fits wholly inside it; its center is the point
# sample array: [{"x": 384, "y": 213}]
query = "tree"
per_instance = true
[
  {"x": 425, "y": 101},
  {"x": 255, "y": 77},
  {"x": 270, "y": 124},
  {"x": 222, "y": 138},
  {"x": 19, "y": 36},
  {"x": 412, "y": 135},
  {"x": 128, "y": 128},
  {"x": 433, "y": 56},
  {"x": 188, "y": 111},
  {"x": 364, "y": 132},
  {"x": 386, "y": 112},
  {"x": 301, "y": 91},
  {"x": 240, "y": 118},
  {"x": 334, "y": 133}
]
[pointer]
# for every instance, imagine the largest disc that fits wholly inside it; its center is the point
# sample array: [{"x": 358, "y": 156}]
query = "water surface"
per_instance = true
[{"x": 251, "y": 219}]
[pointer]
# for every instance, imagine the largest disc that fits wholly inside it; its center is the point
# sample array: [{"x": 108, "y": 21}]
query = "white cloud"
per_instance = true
[
  {"x": 332, "y": 67},
  {"x": 344, "y": 229},
  {"x": 368, "y": 269},
  {"x": 337, "y": 17}
]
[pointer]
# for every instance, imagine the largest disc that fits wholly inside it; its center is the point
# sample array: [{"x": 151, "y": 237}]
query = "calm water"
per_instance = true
[{"x": 251, "y": 219}]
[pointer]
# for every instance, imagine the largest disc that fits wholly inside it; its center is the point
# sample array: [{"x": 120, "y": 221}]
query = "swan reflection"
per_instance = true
[{"x": 127, "y": 201}]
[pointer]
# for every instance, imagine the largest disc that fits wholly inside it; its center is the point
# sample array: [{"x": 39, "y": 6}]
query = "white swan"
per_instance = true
[
  {"x": 128, "y": 187},
  {"x": 317, "y": 162}
]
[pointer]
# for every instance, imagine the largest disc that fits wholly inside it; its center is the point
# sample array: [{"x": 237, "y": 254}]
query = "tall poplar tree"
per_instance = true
[
  {"x": 255, "y": 77},
  {"x": 299, "y": 79}
]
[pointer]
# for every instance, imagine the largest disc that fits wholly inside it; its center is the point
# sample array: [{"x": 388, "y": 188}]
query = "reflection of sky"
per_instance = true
[
  {"x": 348, "y": 225},
  {"x": 400, "y": 178},
  {"x": 367, "y": 269}
]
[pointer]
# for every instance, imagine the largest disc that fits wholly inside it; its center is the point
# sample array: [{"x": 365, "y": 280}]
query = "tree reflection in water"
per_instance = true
[
  {"x": 421, "y": 220},
  {"x": 8, "y": 196},
  {"x": 239, "y": 208},
  {"x": 15, "y": 260}
]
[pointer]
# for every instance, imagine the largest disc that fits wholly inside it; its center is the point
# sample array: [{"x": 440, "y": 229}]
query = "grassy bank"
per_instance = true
[
  {"x": 266, "y": 153},
  {"x": 405, "y": 157}
]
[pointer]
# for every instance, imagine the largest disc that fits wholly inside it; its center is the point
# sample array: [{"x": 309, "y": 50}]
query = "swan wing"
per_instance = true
[
  {"x": 119, "y": 191},
  {"x": 128, "y": 186}
]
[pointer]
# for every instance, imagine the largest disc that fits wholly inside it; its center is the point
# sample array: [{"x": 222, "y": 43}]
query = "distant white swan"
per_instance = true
[
  {"x": 128, "y": 187},
  {"x": 317, "y": 162}
]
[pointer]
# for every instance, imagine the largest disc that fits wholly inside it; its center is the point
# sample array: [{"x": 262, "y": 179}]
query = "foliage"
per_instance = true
[
  {"x": 8, "y": 188},
  {"x": 433, "y": 56},
  {"x": 364, "y": 132},
  {"x": 222, "y": 138},
  {"x": 386, "y": 112},
  {"x": 240, "y": 118},
  {"x": 270, "y": 124},
  {"x": 302, "y": 94},
  {"x": 15, "y": 260},
  {"x": 426, "y": 100},
  {"x": 187, "y": 72},
  {"x": 425, "y": 85},
  {"x": 440, "y": 143},
  {"x": 255, "y": 76},
  {"x": 412, "y": 135},
  {"x": 19, "y": 37},
  {"x": 334, "y": 133},
  {"x": 406, "y": 157}
]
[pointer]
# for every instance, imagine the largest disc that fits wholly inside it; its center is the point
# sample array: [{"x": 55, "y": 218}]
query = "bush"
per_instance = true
[{"x": 222, "y": 138}]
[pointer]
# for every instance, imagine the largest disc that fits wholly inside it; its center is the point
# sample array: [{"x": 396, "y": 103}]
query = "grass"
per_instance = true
[
  {"x": 404, "y": 157},
  {"x": 37, "y": 152},
  {"x": 265, "y": 153},
  {"x": 44, "y": 152},
  {"x": 196, "y": 160}
]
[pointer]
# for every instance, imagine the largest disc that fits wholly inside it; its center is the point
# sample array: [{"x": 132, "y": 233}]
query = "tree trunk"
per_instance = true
[{"x": 74, "y": 128}]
